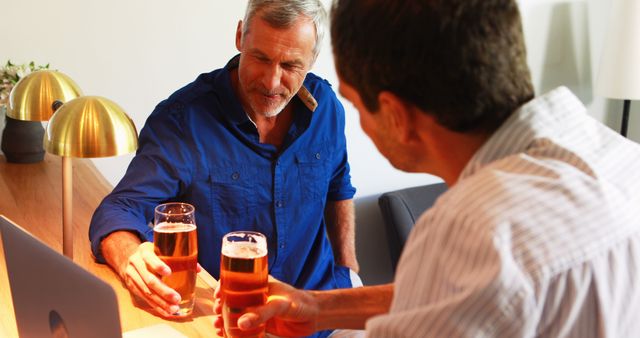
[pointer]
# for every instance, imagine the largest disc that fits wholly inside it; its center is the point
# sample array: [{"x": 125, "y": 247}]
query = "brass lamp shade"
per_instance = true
[
  {"x": 31, "y": 98},
  {"x": 90, "y": 126}
]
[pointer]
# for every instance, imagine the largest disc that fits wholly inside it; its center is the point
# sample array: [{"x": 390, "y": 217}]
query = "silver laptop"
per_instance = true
[{"x": 53, "y": 296}]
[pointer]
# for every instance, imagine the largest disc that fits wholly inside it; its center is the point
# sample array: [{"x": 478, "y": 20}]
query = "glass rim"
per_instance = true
[
  {"x": 190, "y": 207},
  {"x": 253, "y": 239},
  {"x": 248, "y": 232}
]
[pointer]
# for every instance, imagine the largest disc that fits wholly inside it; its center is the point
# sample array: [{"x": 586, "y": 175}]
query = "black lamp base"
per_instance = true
[{"x": 22, "y": 141}]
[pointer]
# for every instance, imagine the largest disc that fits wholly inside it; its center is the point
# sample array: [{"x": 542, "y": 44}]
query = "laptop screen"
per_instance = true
[{"x": 53, "y": 296}]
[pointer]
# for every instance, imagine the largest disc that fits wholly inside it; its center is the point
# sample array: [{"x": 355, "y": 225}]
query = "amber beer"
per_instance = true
[
  {"x": 176, "y": 244},
  {"x": 243, "y": 279}
]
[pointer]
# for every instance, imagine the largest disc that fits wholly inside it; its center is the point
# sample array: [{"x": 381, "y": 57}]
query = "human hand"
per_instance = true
[
  {"x": 142, "y": 273},
  {"x": 288, "y": 312}
]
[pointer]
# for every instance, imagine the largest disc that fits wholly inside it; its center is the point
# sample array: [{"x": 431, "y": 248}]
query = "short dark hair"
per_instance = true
[{"x": 462, "y": 61}]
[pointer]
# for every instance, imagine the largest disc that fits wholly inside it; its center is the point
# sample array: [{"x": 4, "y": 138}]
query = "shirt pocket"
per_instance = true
[
  {"x": 313, "y": 168},
  {"x": 233, "y": 198}
]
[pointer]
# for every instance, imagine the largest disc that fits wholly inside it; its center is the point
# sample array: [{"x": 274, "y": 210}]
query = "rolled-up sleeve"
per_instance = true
[{"x": 340, "y": 187}]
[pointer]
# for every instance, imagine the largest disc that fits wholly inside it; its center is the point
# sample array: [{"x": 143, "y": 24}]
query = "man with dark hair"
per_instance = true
[
  {"x": 538, "y": 234},
  {"x": 257, "y": 145}
]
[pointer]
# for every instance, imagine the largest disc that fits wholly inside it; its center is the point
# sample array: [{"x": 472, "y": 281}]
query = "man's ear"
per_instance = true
[
  {"x": 239, "y": 35},
  {"x": 398, "y": 115}
]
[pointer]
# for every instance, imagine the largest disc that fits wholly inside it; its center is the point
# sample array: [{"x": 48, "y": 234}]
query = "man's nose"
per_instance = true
[{"x": 272, "y": 78}]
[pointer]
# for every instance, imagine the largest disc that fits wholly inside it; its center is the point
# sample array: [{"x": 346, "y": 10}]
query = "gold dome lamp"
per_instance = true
[
  {"x": 79, "y": 126},
  {"x": 86, "y": 127}
]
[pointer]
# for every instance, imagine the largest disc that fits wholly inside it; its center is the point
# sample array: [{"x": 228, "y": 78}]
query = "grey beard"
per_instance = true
[{"x": 275, "y": 112}]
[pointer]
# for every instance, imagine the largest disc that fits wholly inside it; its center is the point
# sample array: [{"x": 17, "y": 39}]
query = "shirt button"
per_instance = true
[
  {"x": 318, "y": 156},
  {"x": 281, "y": 246},
  {"x": 235, "y": 176},
  {"x": 279, "y": 204}
]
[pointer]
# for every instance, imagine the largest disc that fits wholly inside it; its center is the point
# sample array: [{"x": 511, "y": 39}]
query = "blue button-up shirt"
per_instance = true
[{"x": 199, "y": 146}]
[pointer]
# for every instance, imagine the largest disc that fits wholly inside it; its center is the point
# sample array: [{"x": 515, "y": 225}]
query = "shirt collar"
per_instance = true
[
  {"x": 547, "y": 116},
  {"x": 234, "y": 111}
]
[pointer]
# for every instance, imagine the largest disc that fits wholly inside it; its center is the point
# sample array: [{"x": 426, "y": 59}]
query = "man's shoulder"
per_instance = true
[
  {"x": 313, "y": 78},
  {"x": 505, "y": 188},
  {"x": 318, "y": 86},
  {"x": 203, "y": 86},
  {"x": 512, "y": 188}
]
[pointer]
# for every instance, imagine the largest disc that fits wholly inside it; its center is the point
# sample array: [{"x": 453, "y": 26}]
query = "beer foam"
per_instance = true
[
  {"x": 244, "y": 249},
  {"x": 165, "y": 227}
]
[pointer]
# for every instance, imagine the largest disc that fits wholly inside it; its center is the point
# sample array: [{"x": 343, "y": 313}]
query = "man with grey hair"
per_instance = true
[{"x": 257, "y": 145}]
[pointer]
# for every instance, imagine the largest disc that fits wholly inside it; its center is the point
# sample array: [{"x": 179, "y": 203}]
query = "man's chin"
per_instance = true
[{"x": 272, "y": 112}]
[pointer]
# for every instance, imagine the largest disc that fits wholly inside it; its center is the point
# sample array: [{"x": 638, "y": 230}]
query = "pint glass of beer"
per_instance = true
[
  {"x": 176, "y": 243},
  {"x": 243, "y": 279}
]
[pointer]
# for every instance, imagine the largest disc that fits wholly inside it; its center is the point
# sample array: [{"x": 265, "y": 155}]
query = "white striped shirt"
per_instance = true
[{"x": 540, "y": 237}]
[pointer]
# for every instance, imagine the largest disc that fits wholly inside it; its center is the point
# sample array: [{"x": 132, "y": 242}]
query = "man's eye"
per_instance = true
[{"x": 290, "y": 66}]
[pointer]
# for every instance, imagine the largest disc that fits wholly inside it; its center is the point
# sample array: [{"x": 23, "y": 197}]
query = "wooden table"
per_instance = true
[{"x": 31, "y": 196}]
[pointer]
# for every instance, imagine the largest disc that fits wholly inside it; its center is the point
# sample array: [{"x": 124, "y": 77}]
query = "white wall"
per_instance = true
[{"x": 137, "y": 52}]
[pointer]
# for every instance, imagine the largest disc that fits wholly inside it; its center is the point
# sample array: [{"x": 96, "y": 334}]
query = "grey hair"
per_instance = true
[{"x": 282, "y": 14}]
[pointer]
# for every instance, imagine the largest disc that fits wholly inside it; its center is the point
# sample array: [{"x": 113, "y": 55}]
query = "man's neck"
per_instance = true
[
  {"x": 456, "y": 161},
  {"x": 462, "y": 150},
  {"x": 271, "y": 130},
  {"x": 446, "y": 153}
]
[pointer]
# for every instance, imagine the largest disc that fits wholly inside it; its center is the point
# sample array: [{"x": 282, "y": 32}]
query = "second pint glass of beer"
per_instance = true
[
  {"x": 243, "y": 279},
  {"x": 175, "y": 242}
]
